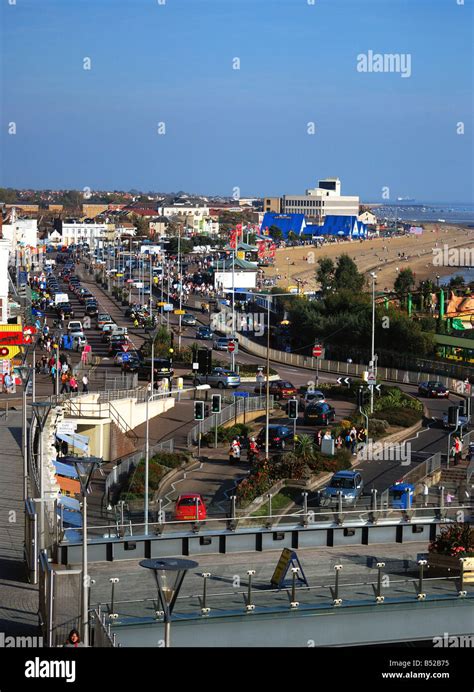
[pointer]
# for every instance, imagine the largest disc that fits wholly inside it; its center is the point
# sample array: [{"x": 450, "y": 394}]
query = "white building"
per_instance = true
[
  {"x": 243, "y": 276},
  {"x": 21, "y": 232},
  {"x": 321, "y": 201},
  {"x": 79, "y": 232},
  {"x": 5, "y": 245},
  {"x": 368, "y": 218}
]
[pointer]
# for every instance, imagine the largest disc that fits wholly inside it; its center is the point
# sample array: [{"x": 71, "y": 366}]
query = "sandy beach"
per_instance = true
[{"x": 379, "y": 254}]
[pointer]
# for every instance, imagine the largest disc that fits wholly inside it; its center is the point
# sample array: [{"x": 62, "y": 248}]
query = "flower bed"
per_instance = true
[{"x": 455, "y": 541}]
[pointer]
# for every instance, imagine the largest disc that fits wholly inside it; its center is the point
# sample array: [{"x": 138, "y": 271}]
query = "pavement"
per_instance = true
[{"x": 18, "y": 598}]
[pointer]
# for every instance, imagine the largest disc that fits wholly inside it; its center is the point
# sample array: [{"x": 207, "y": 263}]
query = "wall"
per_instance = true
[{"x": 135, "y": 414}]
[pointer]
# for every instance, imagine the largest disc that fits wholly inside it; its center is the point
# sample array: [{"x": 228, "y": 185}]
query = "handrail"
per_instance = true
[{"x": 122, "y": 423}]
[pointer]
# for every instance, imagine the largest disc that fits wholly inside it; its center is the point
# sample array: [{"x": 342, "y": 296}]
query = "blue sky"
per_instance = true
[{"x": 243, "y": 128}]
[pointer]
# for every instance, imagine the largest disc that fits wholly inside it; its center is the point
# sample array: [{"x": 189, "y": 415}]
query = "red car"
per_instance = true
[
  {"x": 282, "y": 390},
  {"x": 186, "y": 510}
]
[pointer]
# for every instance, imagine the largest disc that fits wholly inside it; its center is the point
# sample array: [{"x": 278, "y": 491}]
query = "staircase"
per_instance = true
[{"x": 454, "y": 479}]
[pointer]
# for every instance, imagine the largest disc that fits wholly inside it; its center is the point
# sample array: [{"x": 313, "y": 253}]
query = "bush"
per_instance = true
[
  {"x": 403, "y": 417},
  {"x": 456, "y": 540},
  {"x": 170, "y": 460}
]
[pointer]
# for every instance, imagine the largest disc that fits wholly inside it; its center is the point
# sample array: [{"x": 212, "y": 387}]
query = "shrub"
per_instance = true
[
  {"x": 171, "y": 460},
  {"x": 403, "y": 417},
  {"x": 456, "y": 540}
]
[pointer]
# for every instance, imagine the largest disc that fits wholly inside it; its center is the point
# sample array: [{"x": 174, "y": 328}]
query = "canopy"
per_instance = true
[
  {"x": 65, "y": 470},
  {"x": 69, "y": 503},
  {"x": 70, "y": 519},
  {"x": 75, "y": 440}
]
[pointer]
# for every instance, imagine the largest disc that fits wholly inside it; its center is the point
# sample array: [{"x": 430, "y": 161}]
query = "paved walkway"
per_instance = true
[{"x": 18, "y": 598}]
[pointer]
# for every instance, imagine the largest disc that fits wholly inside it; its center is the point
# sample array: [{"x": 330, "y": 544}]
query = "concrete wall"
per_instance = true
[{"x": 135, "y": 414}]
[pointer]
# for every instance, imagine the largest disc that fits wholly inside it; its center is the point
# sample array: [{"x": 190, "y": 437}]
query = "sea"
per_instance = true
[
  {"x": 430, "y": 212},
  {"x": 466, "y": 272}
]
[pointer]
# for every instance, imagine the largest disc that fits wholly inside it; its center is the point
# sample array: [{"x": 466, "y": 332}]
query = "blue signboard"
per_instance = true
[
  {"x": 22, "y": 278},
  {"x": 125, "y": 357},
  {"x": 243, "y": 394}
]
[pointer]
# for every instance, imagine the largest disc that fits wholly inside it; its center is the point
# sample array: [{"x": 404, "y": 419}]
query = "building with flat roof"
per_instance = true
[{"x": 317, "y": 203}]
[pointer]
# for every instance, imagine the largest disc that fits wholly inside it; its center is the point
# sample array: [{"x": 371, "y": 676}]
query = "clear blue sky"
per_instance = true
[{"x": 242, "y": 128}]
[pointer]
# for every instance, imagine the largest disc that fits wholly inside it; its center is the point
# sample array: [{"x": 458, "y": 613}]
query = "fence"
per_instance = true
[
  {"x": 126, "y": 465},
  {"x": 31, "y": 541},
  {"x": 240, "y": 406},
  {"x": 103, "y": 638},
  {"x": 423, "y": 469},
  {"x": 59, "y": 601},
  {"x": 355, "y": 370}
]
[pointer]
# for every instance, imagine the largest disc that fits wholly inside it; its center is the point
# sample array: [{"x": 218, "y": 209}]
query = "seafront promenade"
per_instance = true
[{"x": 18, "y": 598}]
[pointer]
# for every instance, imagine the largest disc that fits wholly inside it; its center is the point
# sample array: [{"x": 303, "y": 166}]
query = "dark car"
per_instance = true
[
  {"x": 65, "y": 308},
  {"x": 280, "y": 389},
  {"x": 278, "y": 437},
  {"x": 433, "y": 389},
  {"x": 92, "y": 308},
  {"x": 318, "y": 413},
  {"x": 204, "y": 333},
  {"x": 162, "y": 368},
  {"x": 116, "y": 343},
  {"x": 131, "y": 363}
]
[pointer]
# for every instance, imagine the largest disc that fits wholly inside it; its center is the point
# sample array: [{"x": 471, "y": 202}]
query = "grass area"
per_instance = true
[{"x": 280, "y": 501}]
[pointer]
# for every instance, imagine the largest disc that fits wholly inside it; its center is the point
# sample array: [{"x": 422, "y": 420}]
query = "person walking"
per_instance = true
[
  {"x": 457, "y": 450},
  {"x": 85, "y": 384},
  {"x": 353, "y": 435},
  {"x": 73, "y": 384},
  {"x": 64, "y": 383},
  {"x": 426, "y": 492}
]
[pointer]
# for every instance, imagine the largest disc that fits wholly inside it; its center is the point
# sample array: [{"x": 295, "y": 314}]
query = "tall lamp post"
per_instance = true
[
  {"x": 153, "y": 335},
  {"x": 41, "y": 411},
  {"x": 169, "y": 575},
  {"x": 374, "y": 276},
  {"x": 147, "y": 456},
  {"x": 85, "y": 468},
  {"x": 25, "y": 374}
]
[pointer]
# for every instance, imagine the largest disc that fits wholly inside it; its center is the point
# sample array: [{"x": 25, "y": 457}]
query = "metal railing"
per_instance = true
[
  {"x": 316, "y": 517},
  {"x": 241, "y": 406},
  {"x": 423, "y": 469}
]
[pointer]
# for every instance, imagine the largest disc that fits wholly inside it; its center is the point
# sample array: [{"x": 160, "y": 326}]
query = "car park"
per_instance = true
[
  {"x": 345, "y": 484},
  {"x": 433, "y": 389},
  {"x": 318, "y": 413},
  {"x": 278, "y": 436},
  {"x": 219, "y": 377},
  {"x": 190, "y": 507}
]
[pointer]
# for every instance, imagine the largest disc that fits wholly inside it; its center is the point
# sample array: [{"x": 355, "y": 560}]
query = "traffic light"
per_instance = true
[
  {"x": 293, "y": 409},
  {"x": 216, "y": 403},
  {"x": 204, "y": 359},
  {"x": 362, "y": 395},
  {"x": 453, "y": 415},
  {"x": 199, "y": 410}
]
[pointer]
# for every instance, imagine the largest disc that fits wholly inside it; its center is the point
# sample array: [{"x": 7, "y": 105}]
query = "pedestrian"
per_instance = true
[
  {"x": 73, "y": 640},
  {"x": 457, "y": 450},
  {"x": 426, "y": 492},
  {"x": 7, "y": 383},
  {"x": 449, "y": 498},
  {"x": 348, "y": 440},
  {"x": 64, "y": 383},
  {"x": 319, "y": 437},
  {"x": 339, "y": 442},
  {"x": 85, "y": 384},
  {"x": 353, "y": 435},
  {"x": 73, "y": 384}
]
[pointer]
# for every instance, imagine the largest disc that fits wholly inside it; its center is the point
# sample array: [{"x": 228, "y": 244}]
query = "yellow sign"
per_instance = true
[
  {"x": 282, "y": 566},
  {"x": 240, "y": 254},
  {"x": 160, "y": 305},
  {"x": 180, "y": 312},
  {"x": 9, "y": 352}
]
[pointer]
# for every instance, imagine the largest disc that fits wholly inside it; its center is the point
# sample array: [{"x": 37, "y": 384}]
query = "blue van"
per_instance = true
[{"x": 401, "y": 495}]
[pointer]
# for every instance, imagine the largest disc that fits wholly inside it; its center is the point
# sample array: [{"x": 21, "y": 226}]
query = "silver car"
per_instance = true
[{"x": 219, "y": 377}]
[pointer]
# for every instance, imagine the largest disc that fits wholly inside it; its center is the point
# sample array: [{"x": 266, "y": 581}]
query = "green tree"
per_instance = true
[
  {"x": 404, "y": 283},
  {"x": 275, "y": 232},
  {"x": 292, "y": 237},
  {"x": 325, "y": 274},
  {"x": 456, "y": 281},
  {"x": 347, "y": 276}
]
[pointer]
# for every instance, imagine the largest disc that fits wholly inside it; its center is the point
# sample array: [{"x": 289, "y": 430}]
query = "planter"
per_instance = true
[{"x": 444, "y": 562}]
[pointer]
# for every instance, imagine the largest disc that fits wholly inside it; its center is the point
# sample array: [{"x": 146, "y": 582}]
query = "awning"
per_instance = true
[
  {"x": 78, "y": 441},
  {"x": 65, "y": 470},
  {"x": 71, "y": 519},
  {"x": 69, "y": 503}
]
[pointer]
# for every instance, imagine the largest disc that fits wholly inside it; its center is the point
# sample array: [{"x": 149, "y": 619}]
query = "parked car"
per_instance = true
[
  {"x": 65, "y": 308},
  {"x": 131, "y": 364},
  {"x": 348, "y": 483},
  {"x": 433, "y": 389},
  {"x": 278, "y": 436},
  {"x": 318, "y": 413},
  {"x": 162, "y": 367},
  {"x": 204, "y": 333},
  {"x": 116, "y": 343},
  {"x": 188, "y": 320},
  {"x": 190, "y": 507},
  {"x": 219, "y": 377}
]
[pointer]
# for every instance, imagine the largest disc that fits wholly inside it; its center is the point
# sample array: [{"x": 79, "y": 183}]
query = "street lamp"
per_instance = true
[
  {"x": 85, "y": 467},
  {"x": 153, "y": 335},
  {"x": 169, "y": 574},
  {"x": 41, "y": 411},
  {"x": 25, "y": 374},
  {"x": 374, "y": 276}
]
